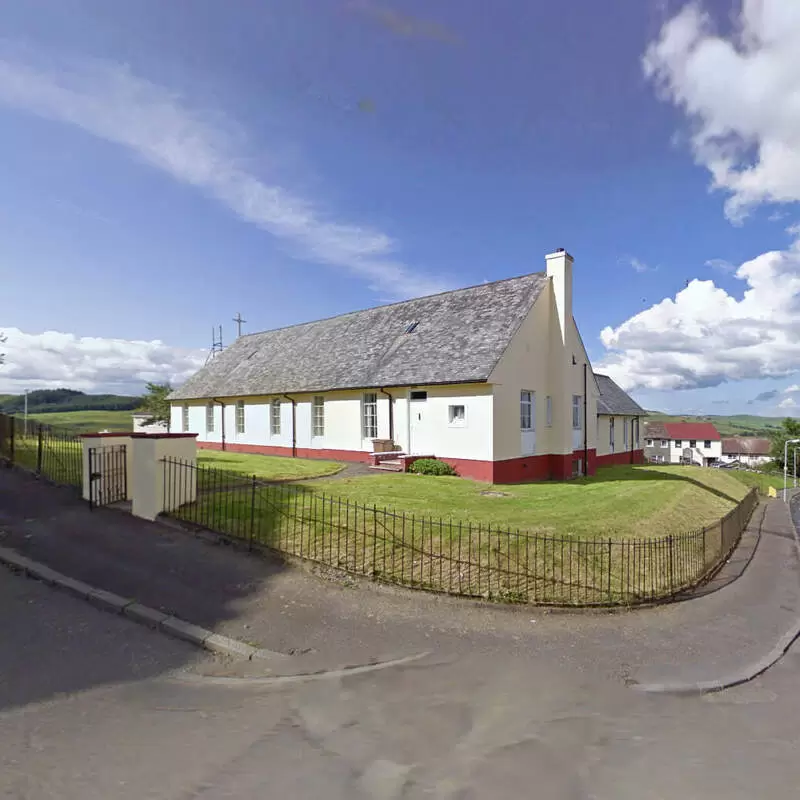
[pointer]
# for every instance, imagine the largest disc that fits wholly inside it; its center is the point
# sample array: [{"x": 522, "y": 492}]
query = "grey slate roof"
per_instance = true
[
  {"x": 614, "y": 400},
  {"x": 460, "y": 337}
]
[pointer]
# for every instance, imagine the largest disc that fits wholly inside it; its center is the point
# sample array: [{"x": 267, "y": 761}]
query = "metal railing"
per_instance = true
[
  {"x": 52, "y": 452},
  {"x": 445, "y": 555}
]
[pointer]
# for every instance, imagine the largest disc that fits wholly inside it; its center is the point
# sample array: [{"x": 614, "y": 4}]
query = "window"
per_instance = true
[
  {"x": 240, "y": 416},
  {"x": 549, "y": 410},
  {"x": 707, "y": 443},
  {"x": 185, "y": 419},
  {"x": 611, "y": 433},
  {"x": 636, "y": 433},
  {"x": 418, "y": 395},
  {"x": 526, "y": 410},
  {"x": 457, "y": 415},
  {"x": 677, "y": 443},
  {"x": 693, "y": 443},
  {"x": 412, "y": 327},
  {"x": 210, "y": 418},
  {"x": 369, "y": 415},
  {"x": 318, "y": 416},
  {"x": 576, "y": 412},
  {"x": 625, "y": 434},
  {"x": 275, "y": 418},
  {"x": 665, "y": 442},
  {"x": 648, "y": 442}
]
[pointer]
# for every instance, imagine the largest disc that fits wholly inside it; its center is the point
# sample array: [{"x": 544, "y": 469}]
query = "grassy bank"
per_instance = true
[{"x": 618, "y": 501}]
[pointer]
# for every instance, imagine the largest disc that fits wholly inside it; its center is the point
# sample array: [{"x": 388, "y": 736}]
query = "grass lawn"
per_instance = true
[
  {"x": 275, "y": 468},
  {"x": 87, "y": 421},
  {"x": 761, "y": 480},
  {"x": 620, "y": 502}
]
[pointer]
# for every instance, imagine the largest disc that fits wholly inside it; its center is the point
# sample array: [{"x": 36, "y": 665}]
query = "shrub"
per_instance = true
[{"x": 431, "y": 466}]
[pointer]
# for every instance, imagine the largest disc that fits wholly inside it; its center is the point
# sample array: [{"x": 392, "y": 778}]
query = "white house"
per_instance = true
[
  {"x": 746, "y": 450},
  {"x": 682, "y": 443},
  {"x": 493, "y": 379},
  {"x": 140, "y": 424}
]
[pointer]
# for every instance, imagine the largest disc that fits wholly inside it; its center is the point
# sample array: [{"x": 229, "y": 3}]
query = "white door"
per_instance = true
[{"x": 419, "y": 432}]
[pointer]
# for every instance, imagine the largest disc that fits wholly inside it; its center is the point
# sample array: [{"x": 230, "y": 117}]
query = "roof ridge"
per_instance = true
[{"x": 389, "y": 305}]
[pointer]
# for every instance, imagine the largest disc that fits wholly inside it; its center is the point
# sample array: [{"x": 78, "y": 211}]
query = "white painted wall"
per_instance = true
[
  {"x": 343, "y": 421},
  {"x": 745, "y": 458},
  {"x": 621, "y": 424}
]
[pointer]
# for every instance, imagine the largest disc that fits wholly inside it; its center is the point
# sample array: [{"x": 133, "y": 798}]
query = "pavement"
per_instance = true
[{"x": 705, "y": 642}]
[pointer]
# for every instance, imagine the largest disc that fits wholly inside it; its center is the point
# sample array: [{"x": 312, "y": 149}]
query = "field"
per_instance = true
[
  {"x": 733, "y": 425},
  {"x": 87, "y": 421}
]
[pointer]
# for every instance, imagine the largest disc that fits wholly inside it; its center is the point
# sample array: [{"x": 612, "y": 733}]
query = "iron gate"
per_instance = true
[{"x": 108, "y": 475}]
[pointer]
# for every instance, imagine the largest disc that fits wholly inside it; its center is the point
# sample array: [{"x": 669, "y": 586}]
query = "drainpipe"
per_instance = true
[
  {"x": 391, "y": 414},
  {"x": 294, "y": 424},
  {"x": 215, "y": 400},
  {"x": 585, "y": 419}
]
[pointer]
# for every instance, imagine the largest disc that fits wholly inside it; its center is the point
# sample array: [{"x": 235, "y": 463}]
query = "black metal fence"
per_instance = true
[
  {"x": 454, "y": 557},
  {"x": 52, "y": 452},
  {"x": 108, "y": 475}
]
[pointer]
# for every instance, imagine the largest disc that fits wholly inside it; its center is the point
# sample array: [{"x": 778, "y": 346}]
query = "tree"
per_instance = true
[
  {"x": 790, "y": 429},
  {"x": 156, "y": 404}
]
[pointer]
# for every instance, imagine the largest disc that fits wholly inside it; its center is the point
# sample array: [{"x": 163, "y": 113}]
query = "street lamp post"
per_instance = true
[{"x": 786, "y": 463}]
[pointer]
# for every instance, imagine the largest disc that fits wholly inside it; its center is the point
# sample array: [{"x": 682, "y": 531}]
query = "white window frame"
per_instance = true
[
  {"x": 239, "y": 416},
  {"x": 648, "y": 442},
  {"x": 625, "y": 434},
  {"x": 577, "y": 423},
  {"x": 275, "y": 417},
  {"x": 460, "y": 422},
  {"x": 210, "y": 422},
  {"x": 527, "y": 410},
  {"x": 548, "y": 411},
  {"x": 665, "y": 442},
  {"x": 185, "y": 419},
  {"x": 369, "y": 415},
  {"x": 693, "y": 443},
  {"x": 318, "y": 416},
  {"x": 611, "y": 433}
]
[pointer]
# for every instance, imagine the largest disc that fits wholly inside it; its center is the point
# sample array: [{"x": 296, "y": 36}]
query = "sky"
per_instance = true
[{"x": 169, "y": 165}]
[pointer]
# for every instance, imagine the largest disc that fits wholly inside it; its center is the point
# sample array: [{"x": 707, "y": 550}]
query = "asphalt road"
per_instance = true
[{"x": 95, "y": 706}]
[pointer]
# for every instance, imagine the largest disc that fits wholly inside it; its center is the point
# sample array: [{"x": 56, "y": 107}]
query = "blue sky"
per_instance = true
[{"x": 169, "y": 164}]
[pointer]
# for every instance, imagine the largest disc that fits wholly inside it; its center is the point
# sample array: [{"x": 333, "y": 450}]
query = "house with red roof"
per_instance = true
[{"x": 682, "y": 443}]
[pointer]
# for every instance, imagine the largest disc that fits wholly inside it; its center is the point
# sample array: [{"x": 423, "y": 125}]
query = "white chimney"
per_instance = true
[{"x": 559, "y": 268}]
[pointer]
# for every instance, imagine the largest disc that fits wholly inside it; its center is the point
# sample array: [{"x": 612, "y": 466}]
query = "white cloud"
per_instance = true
[
  {"x": 789, "y": 402},
  {"x": 705, "y": 336},
  {"x": 53, "y": 360},
  {"x": 742, "y": 94},
  {"x": 721, "y": 265},
  {"x": 198, "y": 149},
  {"x": 637, "y": 265},
  {"x": 792, "y": 389}
]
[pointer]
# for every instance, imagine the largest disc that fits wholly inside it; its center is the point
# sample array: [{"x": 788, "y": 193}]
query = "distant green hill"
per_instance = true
[
  {"x": 49, "y": 401},
  {"x": 731, "y": 425}
]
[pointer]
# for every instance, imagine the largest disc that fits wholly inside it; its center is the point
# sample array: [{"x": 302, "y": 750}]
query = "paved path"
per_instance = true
[
  {"x": 330, "y": 624},
  {"x": 93, "y": 707}
]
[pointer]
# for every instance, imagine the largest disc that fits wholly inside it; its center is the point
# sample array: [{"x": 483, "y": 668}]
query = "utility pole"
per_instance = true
[
  {"x": 786, "y": 463},
  {"x": 239, "y": 321}
]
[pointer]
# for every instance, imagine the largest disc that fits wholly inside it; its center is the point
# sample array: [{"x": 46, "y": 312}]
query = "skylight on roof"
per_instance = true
[{"x": 412, "y": 327}]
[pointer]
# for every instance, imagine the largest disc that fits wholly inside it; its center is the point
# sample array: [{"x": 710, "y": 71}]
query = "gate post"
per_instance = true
[{"x": 151, "y": 495}]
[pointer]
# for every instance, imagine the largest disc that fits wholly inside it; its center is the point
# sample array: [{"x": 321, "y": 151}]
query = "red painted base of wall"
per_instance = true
[
  {"x": 555, "y": 467},
  {"x": 621, "y": 459},
  {"x": 513, "y": 470},
  {"x": 302, "y": 452}
]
